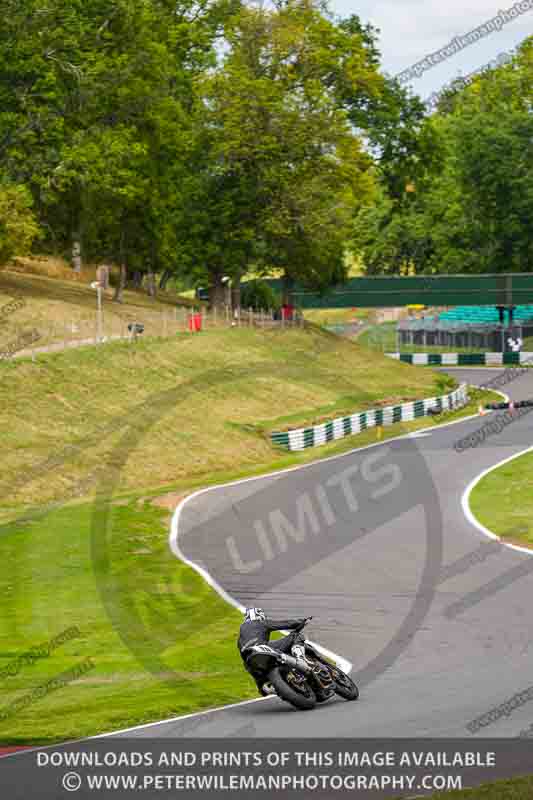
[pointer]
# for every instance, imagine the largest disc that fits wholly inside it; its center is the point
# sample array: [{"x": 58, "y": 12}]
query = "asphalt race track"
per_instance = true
[{"x": 433, "y": 615}]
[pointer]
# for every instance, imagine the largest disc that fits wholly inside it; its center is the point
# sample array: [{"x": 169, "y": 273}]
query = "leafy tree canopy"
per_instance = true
[{"x": 472, "y": 205}]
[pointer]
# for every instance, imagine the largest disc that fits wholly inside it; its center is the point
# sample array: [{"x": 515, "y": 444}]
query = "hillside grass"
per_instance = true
[
  {"x": 192, "y": 393},
  {"x": 337, "y": 316},
  {"x": 65, "y": 310},
  {"x": 381, "y": 337}
]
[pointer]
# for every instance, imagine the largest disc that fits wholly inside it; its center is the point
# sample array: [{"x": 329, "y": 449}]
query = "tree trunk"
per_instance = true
[
  {"x": 165, "y": 277},
  {"x": 76, "y": 226},
  {"x": 121, "y": 285},
  {"x": 217, "y": 293},
  {"x": 151, "y": 282},
  {"x": 137, "y": 279},
  {"x": 151, "y": 285},
  {"x": 236, "y": 293},
  {"x": 76, "y": 252},
  {"x": 102, "y": 275},
  {"x": 123, "y": 275}
]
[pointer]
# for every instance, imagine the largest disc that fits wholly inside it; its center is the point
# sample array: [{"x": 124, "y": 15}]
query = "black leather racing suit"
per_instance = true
[{"x": 258, "y": 632}]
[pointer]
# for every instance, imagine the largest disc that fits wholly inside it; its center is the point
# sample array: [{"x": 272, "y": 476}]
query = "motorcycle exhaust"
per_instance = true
[{"x": 296, "y": 663}]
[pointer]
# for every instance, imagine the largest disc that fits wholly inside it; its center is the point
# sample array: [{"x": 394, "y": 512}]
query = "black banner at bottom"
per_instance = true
[{"x": 239, "y": 768}]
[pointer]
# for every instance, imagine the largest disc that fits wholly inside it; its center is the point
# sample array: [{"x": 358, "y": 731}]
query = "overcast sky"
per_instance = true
[{"x": 410, "y": 29}]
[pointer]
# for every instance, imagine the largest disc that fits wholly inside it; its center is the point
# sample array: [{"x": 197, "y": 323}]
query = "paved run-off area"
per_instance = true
[{"x": 433, "y": 615}]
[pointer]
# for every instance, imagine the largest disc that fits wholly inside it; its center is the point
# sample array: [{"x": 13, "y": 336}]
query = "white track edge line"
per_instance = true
[
  {"x": 181, "y": 718},
  {"x": 343, "y": 663},
  {"x": 32, "y": 748}
]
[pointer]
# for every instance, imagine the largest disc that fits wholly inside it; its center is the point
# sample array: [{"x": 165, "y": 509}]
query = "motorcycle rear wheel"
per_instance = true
[{"x": 303, "y": 702}]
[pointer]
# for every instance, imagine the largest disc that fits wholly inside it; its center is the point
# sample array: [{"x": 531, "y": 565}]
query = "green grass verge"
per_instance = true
[
  {"x": 183, "y": 658},
  {"x": 514, "y": 789},
  {"x": 336, "y": 316},
  {"x": 503, "y": 500}
]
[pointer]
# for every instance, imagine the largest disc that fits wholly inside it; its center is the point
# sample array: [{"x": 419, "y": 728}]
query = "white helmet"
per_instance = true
[{"x": 252, "y": 614}]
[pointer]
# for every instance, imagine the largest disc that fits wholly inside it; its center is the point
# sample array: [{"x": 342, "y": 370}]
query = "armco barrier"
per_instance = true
[
  {"x": 463, "y": 359},
  {"x": 355, "y": 423}
]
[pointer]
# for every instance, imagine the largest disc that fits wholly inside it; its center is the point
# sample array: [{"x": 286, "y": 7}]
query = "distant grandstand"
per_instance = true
[
  {"x": 487, "y": 315},
  {"x": 492, "y": 328}
]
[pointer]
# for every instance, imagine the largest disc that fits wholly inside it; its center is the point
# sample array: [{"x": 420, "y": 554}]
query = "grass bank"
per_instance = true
[
  {"x": 515, "y": 789},
  {"x": 194, "y": 402},
  {"x": 65, "y": 310},
  {"x": 182, "y": 657},
  {"x": 152, "y": 638},
  {"x": 503, "y": 501},
  {"x": 332, "y": 316}
]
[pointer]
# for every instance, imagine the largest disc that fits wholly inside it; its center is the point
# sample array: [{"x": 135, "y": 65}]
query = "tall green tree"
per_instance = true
[
  {"x": 18, "y": 226},
  {"x": 286, "y": 169},
  {"x": 472, "y": 211},
  {"x": 94, "y": 99},
  {"x": 390, "y": 118}
]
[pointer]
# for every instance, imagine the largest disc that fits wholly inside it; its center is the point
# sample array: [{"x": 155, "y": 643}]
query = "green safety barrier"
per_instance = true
[{"x": 427, "y": 290}]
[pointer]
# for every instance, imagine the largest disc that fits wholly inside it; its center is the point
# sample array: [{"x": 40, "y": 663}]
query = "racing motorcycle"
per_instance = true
[{"x": 303, "y": 678}]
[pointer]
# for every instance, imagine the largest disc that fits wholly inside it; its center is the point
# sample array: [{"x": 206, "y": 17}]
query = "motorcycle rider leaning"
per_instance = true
[{"x": 256, "y": 629}]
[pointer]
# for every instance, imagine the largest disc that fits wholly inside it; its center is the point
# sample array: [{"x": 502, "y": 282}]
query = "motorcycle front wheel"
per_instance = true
[
  {"x": 344, "y": 686},
  {"x": 302, "y": 697}
]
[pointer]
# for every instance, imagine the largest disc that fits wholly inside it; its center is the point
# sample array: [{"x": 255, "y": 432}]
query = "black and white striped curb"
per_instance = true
[
  {"x": 462, "y": 359},
  {"x": 346, "y": 426}
]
